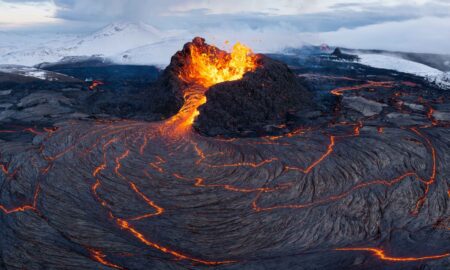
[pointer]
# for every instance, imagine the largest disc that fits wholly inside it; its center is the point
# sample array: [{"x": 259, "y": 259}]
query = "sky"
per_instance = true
[{"x": 403, "y": 25}]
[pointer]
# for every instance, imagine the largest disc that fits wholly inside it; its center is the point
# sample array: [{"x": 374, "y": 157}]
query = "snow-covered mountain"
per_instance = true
[
  {"x": 109, "y": 41},
  {"x": 116, "y": 38}
]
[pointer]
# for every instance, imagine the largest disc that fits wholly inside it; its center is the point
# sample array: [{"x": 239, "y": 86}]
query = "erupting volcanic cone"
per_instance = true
[{"x": 234, "y": 94}]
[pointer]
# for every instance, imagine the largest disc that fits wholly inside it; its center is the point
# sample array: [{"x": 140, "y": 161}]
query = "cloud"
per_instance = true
[
  {"x": 305, "y": 15},
  {"x": 25, "y": 13},
  {"x": 110, "y": 10},
  {"x": 428, "y": 34},
  {"x": 265, "y": 24},
  {"x": 156, "y": 10}
]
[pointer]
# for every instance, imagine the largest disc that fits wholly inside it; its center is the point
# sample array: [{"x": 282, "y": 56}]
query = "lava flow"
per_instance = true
[
  {"x": 382, "y": 255},
  {"x": 137, "y": 193}
]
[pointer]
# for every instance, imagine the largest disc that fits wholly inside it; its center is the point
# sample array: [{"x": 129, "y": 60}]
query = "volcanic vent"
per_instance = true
[{"x": 232, "y": 94}]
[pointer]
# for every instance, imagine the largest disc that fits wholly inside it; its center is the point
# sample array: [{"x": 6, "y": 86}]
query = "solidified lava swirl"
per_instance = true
[{"x": 137, "y": 195}]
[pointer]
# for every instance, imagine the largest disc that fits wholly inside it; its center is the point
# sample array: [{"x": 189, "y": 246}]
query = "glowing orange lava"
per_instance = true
[
  {"x": 369, "y": 84},
  {"x": 206, "y": 66},
  {"x": 101, "y": 258},
  {"x": 382, "y": 255}
]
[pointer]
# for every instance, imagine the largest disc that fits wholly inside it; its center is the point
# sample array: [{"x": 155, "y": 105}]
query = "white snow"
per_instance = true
[
  {"x": 158, "y": 53},
  {"x": 433, "y": 75},
  {"x": 31, "y": 72},
  {"x": 40, "y": 74},
  {"x": 109, "y": 41}
]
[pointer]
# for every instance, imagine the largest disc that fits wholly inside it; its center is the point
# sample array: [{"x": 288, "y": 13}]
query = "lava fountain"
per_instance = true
[
  {"x": 208, "y": 65},
  {"x": 203, "y": 66}
]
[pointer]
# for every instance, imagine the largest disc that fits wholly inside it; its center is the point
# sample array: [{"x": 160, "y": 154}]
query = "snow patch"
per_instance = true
[
  {"x": 32, "y": 72},
  {"x": 433, "y": 75}
]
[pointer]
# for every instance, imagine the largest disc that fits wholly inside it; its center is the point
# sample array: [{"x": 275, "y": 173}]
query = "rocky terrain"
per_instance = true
[{"x": 358, "y": 181}]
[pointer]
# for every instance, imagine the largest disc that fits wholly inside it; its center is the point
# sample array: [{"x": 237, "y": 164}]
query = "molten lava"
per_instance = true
[
  {"x": 208, "y": 65},
  {"x": 205, "y": 66}
]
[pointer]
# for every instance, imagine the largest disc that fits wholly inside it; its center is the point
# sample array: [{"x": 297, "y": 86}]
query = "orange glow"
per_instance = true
[
  {"x": 123, "y": 224},
  {"x": 209, "y": 66},
  {"x": 243, "y": 164},
  {"x": 200, "y": 182},
  {"x": 120, "y": 158},
  {"x": 369, "y": 84},
  {"x": 382, "y": 255},
  {"x": 95, "y": 84},
  {"x": 333, "y": 197},
  {"x": 156, "y": 164},
  {"x": 4, "y": 169},
  {"x": 319, "y": 160},
  {"x": 430, "y": 116},
  {"x": 102, "y": 166},
  {"x": 23, "y": 208},
  {"x": 432, "y": 178},
  {"x": 158, "y": 210},
  {"x": 101, "y": 258}
]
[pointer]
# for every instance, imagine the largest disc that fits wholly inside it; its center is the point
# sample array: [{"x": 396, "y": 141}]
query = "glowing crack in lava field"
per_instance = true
[{"x": 346, "y": 190}]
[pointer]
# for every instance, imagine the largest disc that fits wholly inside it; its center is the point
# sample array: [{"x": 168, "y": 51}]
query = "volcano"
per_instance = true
[
  {"x": 232, "y": 94},
  {"x": 357, "y": 179}
]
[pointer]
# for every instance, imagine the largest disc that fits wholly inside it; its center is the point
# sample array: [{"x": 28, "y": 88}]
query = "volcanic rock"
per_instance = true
[
  {"x": 43, "y": 98},
  {"x": 261, "y": 98},
  {"x": 441, "y": 116},
  {"x": 5, "y": 92},
  {"x": 5, "y": 105},
  {"x": 337, "y": 53},
  {"x": 406, "y": 119},
  {"x": 365, "y": 106},
  {"x": 414, "y": 107}
]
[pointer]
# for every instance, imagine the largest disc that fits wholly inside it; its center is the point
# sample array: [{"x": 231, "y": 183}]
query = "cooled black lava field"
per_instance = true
[{"x": 355, "y": 175}]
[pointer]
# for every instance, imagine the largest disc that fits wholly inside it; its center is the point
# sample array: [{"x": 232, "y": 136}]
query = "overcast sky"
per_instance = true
[{"x": 408, "y": 25}]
